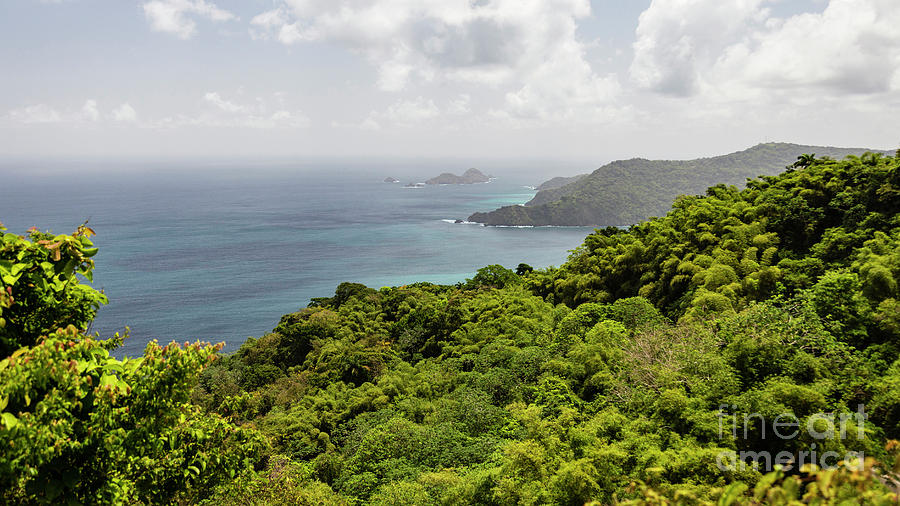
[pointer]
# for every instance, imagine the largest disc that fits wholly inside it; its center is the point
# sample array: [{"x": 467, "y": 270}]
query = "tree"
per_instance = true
[
  {"x": 79, "y": 425},
  {"x": 494, "y": 275},
  {"x": 524, "y": 269},
  {"x": 40, "y": 288},
  {"x": 803, "y": 161}
]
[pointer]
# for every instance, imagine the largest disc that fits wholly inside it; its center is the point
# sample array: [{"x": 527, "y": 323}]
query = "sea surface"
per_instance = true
[{"x": 219, "y": 254}]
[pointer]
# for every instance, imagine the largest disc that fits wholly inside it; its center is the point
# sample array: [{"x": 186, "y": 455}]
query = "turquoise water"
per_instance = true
[{"x": 221, "y": 255}]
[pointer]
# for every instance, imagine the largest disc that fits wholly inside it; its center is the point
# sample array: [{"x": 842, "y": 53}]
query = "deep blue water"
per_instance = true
[{"x": 220, "y": 255}]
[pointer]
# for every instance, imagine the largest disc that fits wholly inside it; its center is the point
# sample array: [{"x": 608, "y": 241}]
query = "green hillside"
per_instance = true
[
  {"x": 628, "y": 191},
  {"x": 676, "y": 362}
]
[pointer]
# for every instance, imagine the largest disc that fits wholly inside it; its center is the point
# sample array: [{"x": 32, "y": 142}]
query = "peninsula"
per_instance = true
[{"x": 625, "y": 192}]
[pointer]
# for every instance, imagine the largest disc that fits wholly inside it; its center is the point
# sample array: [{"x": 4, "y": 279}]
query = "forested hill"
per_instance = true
[
  {"x": 655, "y": 367},
  {"x": 628, "y": 191}
]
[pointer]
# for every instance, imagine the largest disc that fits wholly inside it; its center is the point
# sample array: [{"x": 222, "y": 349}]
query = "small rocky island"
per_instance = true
[
  {"x": 471, "y": 176},
  {"x": 391, "y": 180}
]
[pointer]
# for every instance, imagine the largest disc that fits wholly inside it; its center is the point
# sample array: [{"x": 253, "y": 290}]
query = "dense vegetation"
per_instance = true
[
  {"x": 627, "y": 191},
  {"x": 79, "y": 426},
  {"x": 558, "y": 182},
  {"x": 613, "y": 378}
]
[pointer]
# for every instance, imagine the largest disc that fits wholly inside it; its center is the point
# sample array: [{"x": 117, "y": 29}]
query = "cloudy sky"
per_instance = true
[{"x": 569, "y": 79}]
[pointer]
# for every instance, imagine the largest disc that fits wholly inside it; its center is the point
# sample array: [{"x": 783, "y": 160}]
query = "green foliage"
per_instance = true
[
  {"x": 629, "y": 191},
  {"x": 624, "y": 376},
  {"x": 523, "y": 269},
  {"x": 39, "y": 288},
  {"x": 820, "y": 229},
  {"x": 850, "y": 484},
  {"x": 776, "y": 300},
  {"x": 495, "y": 276},
  {"x": 79, "y": 425}
]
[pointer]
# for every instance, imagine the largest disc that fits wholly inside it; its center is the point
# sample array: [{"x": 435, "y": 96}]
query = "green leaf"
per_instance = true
[
  {"x": 102, "y": 352},
  {"x": 132, "y": 365},
  {"x": 9, "y": 279},
  {"x": 113, "y": 366},
  {"x": 9, "y": 420},
  {"x": 69, "y": 269},
  {"x": 84, "y": 367},
  {"x": 732, "y": 493}
]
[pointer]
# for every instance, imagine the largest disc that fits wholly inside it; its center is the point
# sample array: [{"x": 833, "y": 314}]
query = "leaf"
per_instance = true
[
  {"x": 114, "y": 366},
  {"x": 132, "y": 365},
  {"x": 102, "y": 352},
  {"x": 69, "y": 269},
  {"x": 3, "y": 402},
  {"x": 9, "y": 420},
  {"x": 732, "y": 493},
  {"x": 9, "y": 279},
  {"x": 84, "y": 367}
]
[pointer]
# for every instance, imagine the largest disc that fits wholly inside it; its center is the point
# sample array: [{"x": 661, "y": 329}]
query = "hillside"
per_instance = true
[
  {"x": 628, "y": 191},
  {"x": 559, "y": 182},
  {"x": 565, "y": 386},
  {"x": 653, "y": 367}
]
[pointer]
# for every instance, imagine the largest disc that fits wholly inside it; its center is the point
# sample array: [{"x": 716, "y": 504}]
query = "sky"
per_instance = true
[{"x": 549, "y": 79}]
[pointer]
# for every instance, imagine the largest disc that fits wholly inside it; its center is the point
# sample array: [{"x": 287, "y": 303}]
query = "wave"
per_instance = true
[
  {"x": 534, "y": 226},
  {"x": 462, "y": 222}
]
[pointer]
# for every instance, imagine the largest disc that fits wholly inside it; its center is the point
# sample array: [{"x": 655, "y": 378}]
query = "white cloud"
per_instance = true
[
  {"x": 853, "y": 46},
  {"x": 738, "y": 50},
  {"x": 227, "y": 113},
  {"x": 175, "y": 16},
  {"x": 460, "y": 105},
  {"x": 526, "y": 47},
  {"x": 89, "y": 110},
  {"x": 124, "y": 113},
  {"x": 39, "y": 113},
  {"x": 408, "y": 113},
  {"x": 677, "y": 40},
  {"x": 215, "y": 99}
]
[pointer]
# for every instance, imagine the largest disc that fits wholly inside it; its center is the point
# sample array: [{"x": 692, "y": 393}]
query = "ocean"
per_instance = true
[{"x": 220, "y": 253}]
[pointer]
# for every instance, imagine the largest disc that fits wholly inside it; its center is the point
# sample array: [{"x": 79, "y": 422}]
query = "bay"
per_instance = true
[{"x": 220, "y": 253}]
